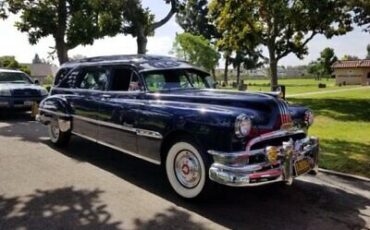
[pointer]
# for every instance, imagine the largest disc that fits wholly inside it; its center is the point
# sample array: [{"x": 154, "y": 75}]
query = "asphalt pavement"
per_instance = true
[{"x": 87, "y": 186}]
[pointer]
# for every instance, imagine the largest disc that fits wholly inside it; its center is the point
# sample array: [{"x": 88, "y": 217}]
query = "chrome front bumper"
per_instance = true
[{"x": 233, "y": 169}]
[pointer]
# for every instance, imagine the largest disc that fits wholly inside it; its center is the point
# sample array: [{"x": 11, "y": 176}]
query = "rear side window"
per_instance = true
[
  {"x": 68, "y": 81},
  {"x": 95, "y": 79},
  {"x": 124, "y": 79},
  {"x": 59, "y": 77}
]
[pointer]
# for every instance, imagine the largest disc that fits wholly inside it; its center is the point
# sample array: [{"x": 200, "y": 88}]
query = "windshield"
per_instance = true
[
  {"x": 9, "y": 77},
  {"x": 161, "y": 80}
]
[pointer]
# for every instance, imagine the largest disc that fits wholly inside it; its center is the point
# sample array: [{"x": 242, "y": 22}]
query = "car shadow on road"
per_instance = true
[{"x": 304, "y": 205}]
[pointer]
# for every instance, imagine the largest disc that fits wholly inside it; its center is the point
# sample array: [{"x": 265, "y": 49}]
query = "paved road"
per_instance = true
[{"x": 87, "y": 186}]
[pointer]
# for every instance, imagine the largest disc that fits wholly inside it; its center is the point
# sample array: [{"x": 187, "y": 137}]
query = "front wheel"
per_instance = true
[
  {"x": 57, "y": 136},
  {"x": 187, "y": 170}
]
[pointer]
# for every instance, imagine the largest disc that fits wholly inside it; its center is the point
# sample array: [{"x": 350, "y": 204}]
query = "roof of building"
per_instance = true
[
  {"x": 42, "y": 69},
  {"x": 352, "y": 64}
]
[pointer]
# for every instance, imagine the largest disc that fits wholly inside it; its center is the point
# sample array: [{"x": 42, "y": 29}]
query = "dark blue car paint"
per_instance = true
[{"x": 208, "y": 116}]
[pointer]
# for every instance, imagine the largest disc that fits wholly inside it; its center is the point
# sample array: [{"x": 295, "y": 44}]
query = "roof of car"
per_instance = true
[
  {"x": 10, "y": 70},
  {"x": 142, "y": 62}
]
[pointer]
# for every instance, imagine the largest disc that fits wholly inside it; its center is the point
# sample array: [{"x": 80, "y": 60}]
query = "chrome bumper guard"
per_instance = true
[{"x": 233, "y": 169}]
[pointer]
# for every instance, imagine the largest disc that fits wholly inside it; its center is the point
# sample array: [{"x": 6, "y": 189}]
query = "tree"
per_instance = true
[
  {"x": 36, "y": 59},
  {"x": 3, "y": 10},
  {"x": 348, "y": 57},
  {"x": 71, "y": 23},
  {"x": 9, "y": 62},
  {"x": 196, "y": 50},
  {"x": 315, "y": 68},
  {"x": 327, "y": 59},
  {"x": 193, "y": 18},
  {"x": 361, "y": 9},
  {"x": 368, "y": 52},
  {"x": 283, "y": 26},
  {"x": 249, "y": 60},
  {"x": 139, "y": 21}
]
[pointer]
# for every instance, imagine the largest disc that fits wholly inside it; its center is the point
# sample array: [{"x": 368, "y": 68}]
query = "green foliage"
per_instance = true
[
  {"x": 327, "y": 59},
  {"x": 283, "y": 26},
  {"x": 348, "y": 57},
  {"x": 69, "y": 22},
  {"x": 197, "y": 50},
  {"x": 9, "y": 62},
  {"x": 3, "y": 10},
  {"x": 368, "y": 52},
  {"x": 361, "y": 9},
  {"x": 139, "y": 21},
  {"x": 49, "y": 80},
  {"x": 193, "y": 18}
]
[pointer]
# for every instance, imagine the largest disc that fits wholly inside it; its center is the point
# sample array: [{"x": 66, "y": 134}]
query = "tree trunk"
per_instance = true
[
  {"x": 238, "y": 75},
  {"x": 142, "y": 41},
  {"x": 226, "y": 73},
  {"x": 60, "y": 44},
  {"x": 273, "y": 74},
  {"x": 213, "y": 70},
  {"x": 273, "y": 66},
  {"x": 62, "y": 51}
]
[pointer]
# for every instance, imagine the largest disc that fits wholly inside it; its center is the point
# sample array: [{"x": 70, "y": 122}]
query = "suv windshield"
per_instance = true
[
  {"x": 161, "y": 80},
  {"x": 10, "y": 77}
]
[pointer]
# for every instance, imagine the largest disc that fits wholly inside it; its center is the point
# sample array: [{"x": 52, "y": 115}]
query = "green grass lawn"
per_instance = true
[
  {"x": 294, "y": 86},
  {"x": 342, "y": 123}
]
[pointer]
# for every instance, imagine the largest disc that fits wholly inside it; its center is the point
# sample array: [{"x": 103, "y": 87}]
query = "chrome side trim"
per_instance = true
[
  {"x": 139, "y": 132},
  {"x": 118, "y": 149},
  {"x": 148, "y": 133},
  {"x": 55, "y": 113},
  {"x": 104, "y": 123}
]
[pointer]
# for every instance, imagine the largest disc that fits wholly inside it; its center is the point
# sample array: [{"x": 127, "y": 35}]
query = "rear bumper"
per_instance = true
[{"x": 281, "y": 167}]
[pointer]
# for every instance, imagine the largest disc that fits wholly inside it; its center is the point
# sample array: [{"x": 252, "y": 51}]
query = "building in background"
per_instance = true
[
  {"x": 352, "y": 72},
  {"x": 41, "y": 71}
]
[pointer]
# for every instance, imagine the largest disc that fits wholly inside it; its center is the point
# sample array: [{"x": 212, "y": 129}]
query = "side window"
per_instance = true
[
  {"x": 70, "y": 80},
  {"x": 95, "y": 79},
  {"x": 59, "y": 77},
  {"x": 155, "y": 82},
  {"x": 124, "y": 79}
]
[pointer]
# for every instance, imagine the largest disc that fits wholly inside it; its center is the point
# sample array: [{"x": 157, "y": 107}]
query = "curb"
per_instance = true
[{"x": 350, "y": 176}]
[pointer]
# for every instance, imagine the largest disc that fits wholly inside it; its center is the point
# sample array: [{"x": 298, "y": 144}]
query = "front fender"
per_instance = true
[{"x": 55, "y": 106}]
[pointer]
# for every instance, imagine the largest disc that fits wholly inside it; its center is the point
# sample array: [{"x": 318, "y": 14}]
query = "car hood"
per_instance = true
[
  {"x": 260, "y": 105},
  {"x": 14, "y": 86}
]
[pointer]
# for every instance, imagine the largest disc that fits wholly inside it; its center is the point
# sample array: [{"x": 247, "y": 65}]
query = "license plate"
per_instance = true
[
  {"x": 28, "y": 103},
  {"x": 302, "y": 166}
]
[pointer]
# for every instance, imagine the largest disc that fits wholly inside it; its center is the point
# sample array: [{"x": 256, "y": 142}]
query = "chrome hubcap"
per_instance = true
[
  {"x": 54, "y": 132},
  {"x": 187, "y": 169}
]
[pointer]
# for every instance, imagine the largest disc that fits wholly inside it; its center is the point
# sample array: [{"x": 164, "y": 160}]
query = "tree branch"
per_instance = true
[
  {"x": 299, "y": 47},
  {"x": 172, "y": 11}
]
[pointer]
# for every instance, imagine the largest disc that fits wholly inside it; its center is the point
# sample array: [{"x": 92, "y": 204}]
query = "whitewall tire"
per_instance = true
[
  {"x": 57, "y": 136},
  {"x": 186, "y": 170}
]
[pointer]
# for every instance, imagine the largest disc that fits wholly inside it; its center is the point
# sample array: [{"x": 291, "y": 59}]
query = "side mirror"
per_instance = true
[{"x": 37, "y": 82}]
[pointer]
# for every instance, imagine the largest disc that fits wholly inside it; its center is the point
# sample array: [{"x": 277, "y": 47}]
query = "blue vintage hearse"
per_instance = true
[{"x": 168, "y": 112}]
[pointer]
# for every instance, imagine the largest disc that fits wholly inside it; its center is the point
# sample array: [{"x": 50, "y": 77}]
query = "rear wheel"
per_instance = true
[
  {"x": 187, "y": 170},
  {"x": 57, "y": 136}
]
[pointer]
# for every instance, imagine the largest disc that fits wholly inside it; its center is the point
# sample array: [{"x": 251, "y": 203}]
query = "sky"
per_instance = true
[{"x": 15, "y": 43}]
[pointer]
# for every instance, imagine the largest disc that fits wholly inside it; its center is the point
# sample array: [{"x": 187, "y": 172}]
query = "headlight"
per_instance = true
[
  {"x": 44, "y": 92},
  {"x": 243, "y": 126},
  {"x": 5, "y": 92},
  {"x": 309, "y": 117}
]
